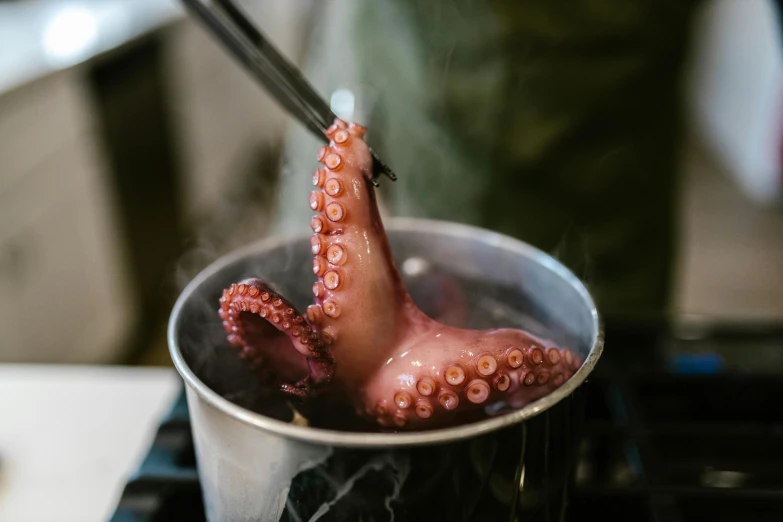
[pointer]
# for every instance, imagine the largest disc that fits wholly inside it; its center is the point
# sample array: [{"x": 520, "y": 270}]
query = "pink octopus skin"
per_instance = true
[{"x": 364, "y": 335}]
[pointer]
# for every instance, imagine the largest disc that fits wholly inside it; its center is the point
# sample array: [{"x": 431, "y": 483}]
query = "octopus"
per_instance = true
[{"x": 363, "y": 334}]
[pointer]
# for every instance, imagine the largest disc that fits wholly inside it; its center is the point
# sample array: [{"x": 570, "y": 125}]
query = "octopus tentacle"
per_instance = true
[
  {"x": 515, "y": 375},
  {"x": 348, "y": 260},
  {"x": 401, "y": 368},
  {"x": 276, "y": 339}
]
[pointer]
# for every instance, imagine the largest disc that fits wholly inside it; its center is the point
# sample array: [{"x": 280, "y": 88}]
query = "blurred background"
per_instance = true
[
  {"x": 638, "y": 142},
  {"x": 134, "y": 151}
]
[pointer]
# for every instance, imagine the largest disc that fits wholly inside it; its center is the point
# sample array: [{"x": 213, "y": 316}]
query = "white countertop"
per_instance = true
[
  {"x": 70, "y": 436},
  {"x": 45, "y": 36}
]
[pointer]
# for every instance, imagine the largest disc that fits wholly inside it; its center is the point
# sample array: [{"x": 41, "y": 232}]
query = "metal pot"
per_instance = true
[{"x": 256, "y": 463}]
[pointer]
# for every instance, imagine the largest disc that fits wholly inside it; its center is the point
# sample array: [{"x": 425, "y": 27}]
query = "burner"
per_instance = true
[{"x": 695, "y": 432}]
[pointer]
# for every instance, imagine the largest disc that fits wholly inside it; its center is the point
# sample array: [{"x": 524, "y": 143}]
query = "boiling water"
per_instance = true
[{"x": 451, "y": 298}]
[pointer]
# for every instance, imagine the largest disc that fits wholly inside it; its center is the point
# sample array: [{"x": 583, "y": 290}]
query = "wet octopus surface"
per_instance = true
[{"x": 364, "y": 338}]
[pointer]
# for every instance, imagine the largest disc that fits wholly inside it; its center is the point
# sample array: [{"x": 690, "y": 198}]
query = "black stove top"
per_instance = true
[{"x": 682, "y": 424}]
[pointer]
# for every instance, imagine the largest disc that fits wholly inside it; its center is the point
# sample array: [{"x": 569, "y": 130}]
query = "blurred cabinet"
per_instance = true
[
  {"x": 63, "y": 287},
  {"x": 82, "y": 154},
  {"x": 221, "y": 115}
]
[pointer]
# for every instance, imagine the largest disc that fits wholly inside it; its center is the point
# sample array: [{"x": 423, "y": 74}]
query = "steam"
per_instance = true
[
  {"x": 243, "y": 215},
  {"x": 573, "y": 251}
]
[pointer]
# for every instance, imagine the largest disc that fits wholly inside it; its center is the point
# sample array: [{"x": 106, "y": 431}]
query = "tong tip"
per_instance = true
[{"x": 379, "y": 167}]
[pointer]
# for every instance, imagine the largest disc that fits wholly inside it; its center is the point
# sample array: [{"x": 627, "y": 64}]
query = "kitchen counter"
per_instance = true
[
  {"x": 71, "y": 435},
  {"x": 42, "y": 37}
]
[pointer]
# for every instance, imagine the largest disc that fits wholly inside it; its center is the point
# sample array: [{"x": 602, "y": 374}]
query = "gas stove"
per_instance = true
[{"x": 682, "y": 423}]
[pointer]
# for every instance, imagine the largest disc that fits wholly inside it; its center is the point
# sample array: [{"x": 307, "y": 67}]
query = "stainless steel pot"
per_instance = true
[{"x": 256, "y": 463}]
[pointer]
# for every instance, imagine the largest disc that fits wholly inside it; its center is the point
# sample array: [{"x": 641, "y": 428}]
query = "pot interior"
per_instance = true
[{"x": 463, "y": 275}]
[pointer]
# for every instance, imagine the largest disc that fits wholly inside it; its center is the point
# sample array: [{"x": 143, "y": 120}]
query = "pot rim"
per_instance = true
[{"x": 401, "y": 439}]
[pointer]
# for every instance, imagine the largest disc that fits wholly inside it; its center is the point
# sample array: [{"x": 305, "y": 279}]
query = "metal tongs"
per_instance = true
[{"x": 270, "y": 68}]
